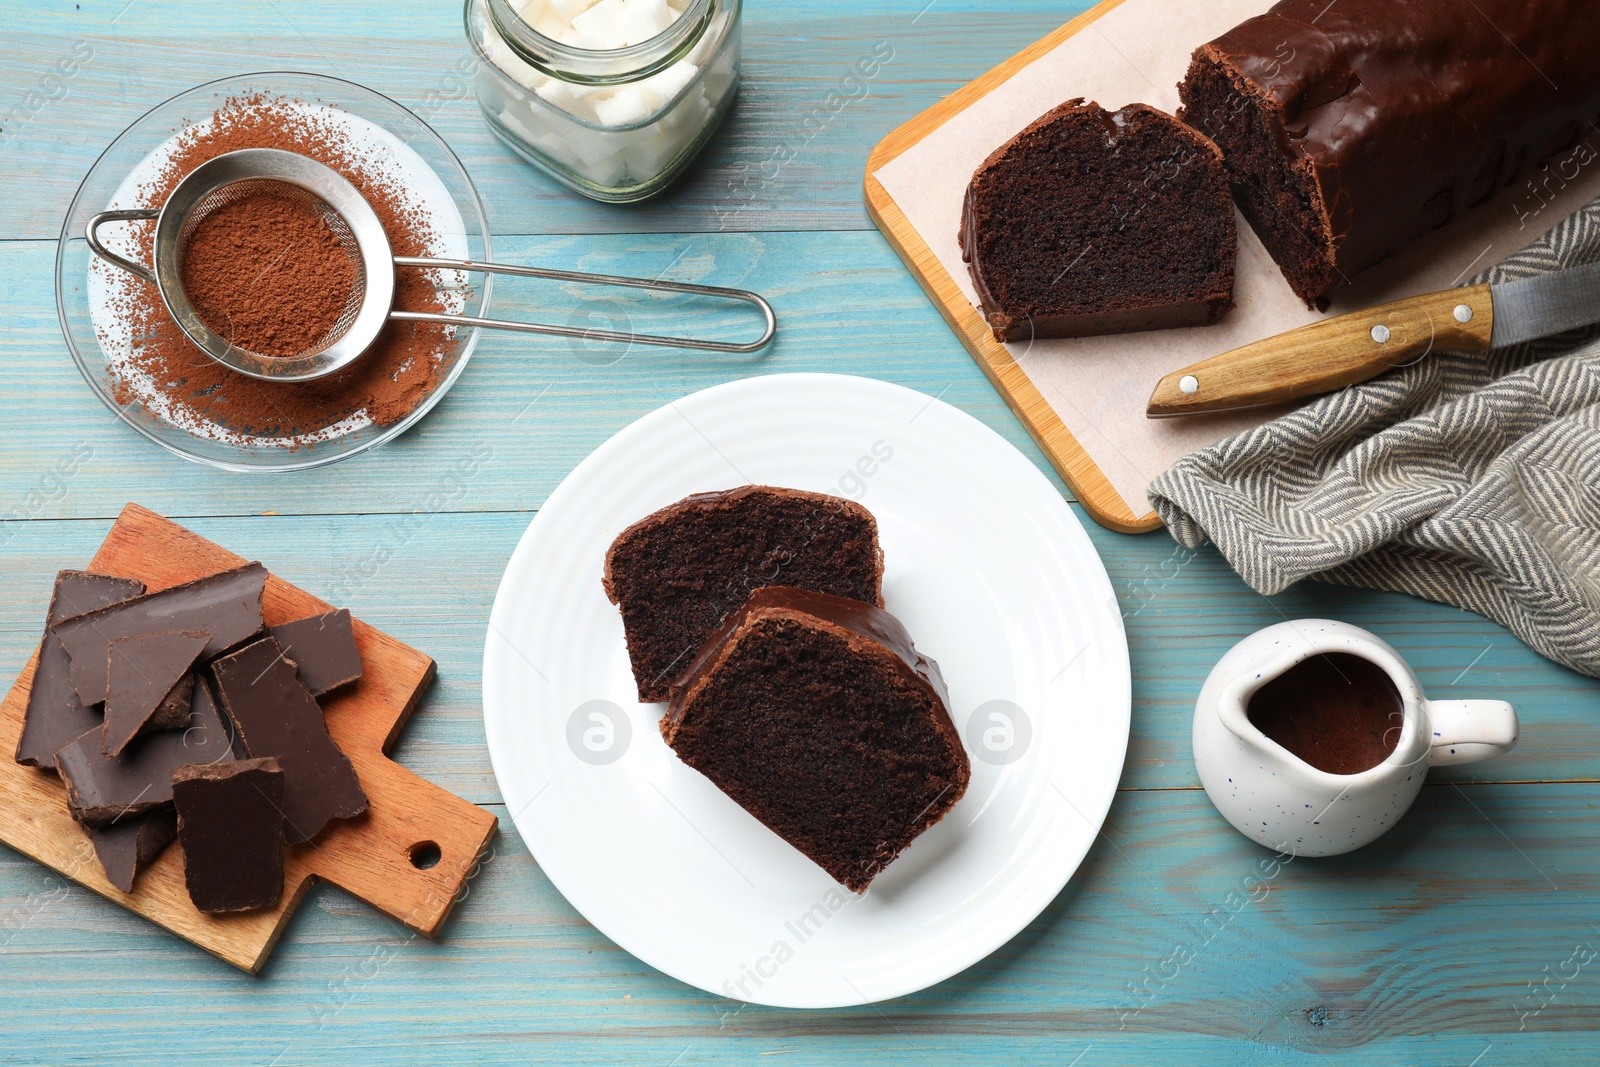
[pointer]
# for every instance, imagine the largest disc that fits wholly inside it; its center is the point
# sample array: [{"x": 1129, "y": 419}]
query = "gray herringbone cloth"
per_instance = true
[{"x": 1469, "y": 480}]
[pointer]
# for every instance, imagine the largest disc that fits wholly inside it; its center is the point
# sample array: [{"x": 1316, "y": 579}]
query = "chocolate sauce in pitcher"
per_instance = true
[{"x": 1338, "y": 712}]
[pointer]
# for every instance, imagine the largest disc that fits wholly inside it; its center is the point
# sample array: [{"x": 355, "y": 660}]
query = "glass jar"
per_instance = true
[{"x": 617, "y": 124}]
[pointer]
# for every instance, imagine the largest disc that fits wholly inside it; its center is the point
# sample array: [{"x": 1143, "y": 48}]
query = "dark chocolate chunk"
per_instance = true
[
  {"x": 230, "y": 822},
  {"x": 103, "y": 789},
  {"x": 323, "y": 647},
  {"x": 227, "y": 606},
  {"x": 129, "y": 846},
  {"x": 173, "y": 711},
  {"x": 55, "y": 714},
  {"x": 150, "y": 687},
  {"x": 276, "y": 715}
]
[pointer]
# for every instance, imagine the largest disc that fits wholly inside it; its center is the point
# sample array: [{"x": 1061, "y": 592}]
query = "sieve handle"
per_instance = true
[
  {"x": 744, "y": 295},
  {"x": 141, "y": 214}
]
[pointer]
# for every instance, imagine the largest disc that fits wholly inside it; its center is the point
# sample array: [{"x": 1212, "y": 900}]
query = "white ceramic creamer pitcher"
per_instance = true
[{"x": 1279, "y": 800}]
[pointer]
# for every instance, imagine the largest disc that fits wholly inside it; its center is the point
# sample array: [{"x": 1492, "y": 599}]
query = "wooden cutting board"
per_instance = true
[
  {"x": 370, "y": 856},
  {"x": 1084, "y": 399},
  {"x": 1068, "y": 457}
]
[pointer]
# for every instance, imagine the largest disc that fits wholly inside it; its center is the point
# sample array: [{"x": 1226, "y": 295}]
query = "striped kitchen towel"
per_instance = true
[{"x": 1469, "y": 480}]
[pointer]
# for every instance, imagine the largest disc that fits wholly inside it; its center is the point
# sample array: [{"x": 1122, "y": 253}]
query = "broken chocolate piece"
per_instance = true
[
  {"x": 173, "y": 711},
  {"x": 323, "y": 647},
  {"x": 230, "y": 822},
  {"x": 55, "y": 714},
  {"x": 227, "y": 606},
  {"x": 276, "y": 715},
  {"x": 102, "y": 789},
  {"x": 129, "y": 846},
  {"x": 149, "y": 685}
]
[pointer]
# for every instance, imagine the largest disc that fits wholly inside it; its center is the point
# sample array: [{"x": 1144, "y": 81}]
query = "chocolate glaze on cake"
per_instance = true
[
  {"x": 1353, "y": 128},
  {"x": 817, "y": 715},
  {"x": 1093, "y": 222},
  {"x": 677, "y": 573}
]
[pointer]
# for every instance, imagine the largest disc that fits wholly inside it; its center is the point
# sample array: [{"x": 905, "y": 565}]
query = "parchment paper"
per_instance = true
[{"x": 1138, "y": 52}]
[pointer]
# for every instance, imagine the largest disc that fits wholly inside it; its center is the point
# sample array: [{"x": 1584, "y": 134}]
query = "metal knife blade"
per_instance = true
[{"x": 1546, "y": 304}]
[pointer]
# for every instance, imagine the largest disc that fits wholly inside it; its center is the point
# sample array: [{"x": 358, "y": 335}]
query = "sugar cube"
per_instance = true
[
  {"x": 608, "y": 171},
  {"x": 625, "y": 107},
  {"x": 613, "y": 24},
  {"x": 647, "y": 157},
  {"x": 568, "y": 97},
  {"x": 709, "y": 40},
  {"x": 660, "y": 88},
  {"x": 552, "y": 26},
  {"x": 569, "y": 9}
]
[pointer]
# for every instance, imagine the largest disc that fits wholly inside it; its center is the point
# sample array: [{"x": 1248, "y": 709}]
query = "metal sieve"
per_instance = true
[{"x": 236, "y": 175}]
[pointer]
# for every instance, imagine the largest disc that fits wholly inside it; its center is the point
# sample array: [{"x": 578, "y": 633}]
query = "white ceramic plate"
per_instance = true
[{"x": 987, "y": 567}]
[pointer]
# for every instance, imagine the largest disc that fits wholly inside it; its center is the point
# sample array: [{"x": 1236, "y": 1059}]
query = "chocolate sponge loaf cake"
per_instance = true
[
  {"x": 1350, "y": 129},
  {"x": 676, "y": 573},
  {"x": 817, "y": 716},
  {"x": 1092, "y": 222}
]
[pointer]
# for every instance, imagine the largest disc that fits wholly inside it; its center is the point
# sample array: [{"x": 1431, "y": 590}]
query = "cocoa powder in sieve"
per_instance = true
[
  {"x": 399, "y": 371},
  {"x": 268, "y": 273}
]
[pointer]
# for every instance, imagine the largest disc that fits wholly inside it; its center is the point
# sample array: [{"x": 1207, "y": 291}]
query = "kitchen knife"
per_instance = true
[{"x": 1341, "y": 351}]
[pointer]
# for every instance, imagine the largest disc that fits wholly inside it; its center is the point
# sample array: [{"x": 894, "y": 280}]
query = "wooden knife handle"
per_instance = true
[{"x": 1331, "y": 354}]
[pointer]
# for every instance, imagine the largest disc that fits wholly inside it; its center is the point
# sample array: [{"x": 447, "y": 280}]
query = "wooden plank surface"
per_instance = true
[
  {"x": 795, "y": 57},
  {"x": 1182, "y": 611},
  {"x": 1419, "y": 950},
  {"x": 528, "y": 406}
]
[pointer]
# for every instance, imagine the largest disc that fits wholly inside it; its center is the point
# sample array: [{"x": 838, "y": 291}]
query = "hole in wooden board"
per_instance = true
[{"x": 425, "y": 855}]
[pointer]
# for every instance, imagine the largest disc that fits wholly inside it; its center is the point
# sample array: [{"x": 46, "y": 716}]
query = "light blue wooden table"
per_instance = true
[{"x": 1461, "y": 938}]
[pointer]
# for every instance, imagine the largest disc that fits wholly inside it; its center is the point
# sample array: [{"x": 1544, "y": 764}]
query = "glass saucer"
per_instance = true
[{"x": 84, "y": 296}]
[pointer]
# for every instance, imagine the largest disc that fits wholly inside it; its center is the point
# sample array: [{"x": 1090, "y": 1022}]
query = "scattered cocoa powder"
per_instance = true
[
  {"x": 268, "y": 273},
  {"x": 396, "y": 374}
]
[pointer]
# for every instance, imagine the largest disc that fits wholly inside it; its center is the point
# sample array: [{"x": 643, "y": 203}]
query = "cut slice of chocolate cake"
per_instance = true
[
  {"x": 676, "y": 573},
  {"x": 1093, "y": 222},
  {"x": 817, "y": 716}
]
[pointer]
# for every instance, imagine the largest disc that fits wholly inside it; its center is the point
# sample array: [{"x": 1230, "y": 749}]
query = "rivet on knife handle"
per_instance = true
[{"x": 1329, "y": 355}]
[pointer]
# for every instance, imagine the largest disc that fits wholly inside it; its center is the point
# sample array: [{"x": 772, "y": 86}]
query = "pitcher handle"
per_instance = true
[{"x": 1466, "y": 731}]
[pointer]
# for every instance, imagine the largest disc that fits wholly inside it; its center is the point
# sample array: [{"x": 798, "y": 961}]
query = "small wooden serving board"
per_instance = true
[{"x": 369, "y": 856}]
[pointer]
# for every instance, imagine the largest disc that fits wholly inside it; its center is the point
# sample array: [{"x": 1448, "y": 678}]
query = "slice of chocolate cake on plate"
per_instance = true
[
  {"x": 817, "y": 715},
  {"x": 1093, "y": 222},
  {"x": 676, "y": 573}
]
